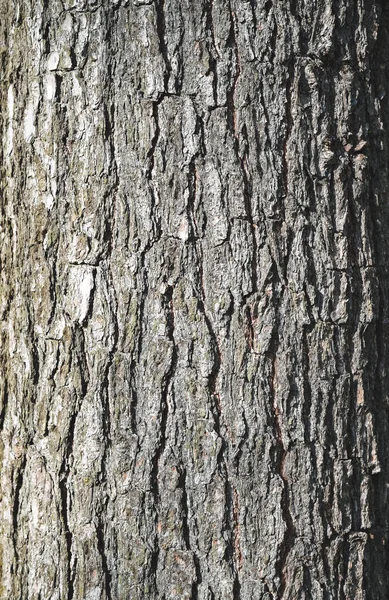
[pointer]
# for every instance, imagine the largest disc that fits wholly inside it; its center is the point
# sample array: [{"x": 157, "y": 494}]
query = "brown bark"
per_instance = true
[{"x": 194, "y": 300}]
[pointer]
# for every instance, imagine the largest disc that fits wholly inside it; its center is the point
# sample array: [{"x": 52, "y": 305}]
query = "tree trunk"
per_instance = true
[{"x": 194, "y": 300}]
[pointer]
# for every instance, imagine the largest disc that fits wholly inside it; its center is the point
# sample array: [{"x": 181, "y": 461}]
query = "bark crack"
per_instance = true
[
  {"x": 290, "y": 532},
  {"x": 64, "y": 472},
  {"x": 66, "y": 504},
  {"x": 161, "y": 29},
  {"x": 101, "y": 545},
  {"x": 241, "y": 155},
  {"x": 16, "y": 507},
  {"x": 288, "y": 130},
  {"x": 212, "y": 48},
  {"x": 237, "y": 544},
  {"x": 232, "y": 113},
  {"x": 164, "y": 411},
  {"x": 232, "y": 504},
  {"x": 154, "y": 141}
]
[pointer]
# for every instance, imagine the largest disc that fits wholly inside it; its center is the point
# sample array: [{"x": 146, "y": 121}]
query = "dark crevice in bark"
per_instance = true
[
  {"x": 211, "y": 45},
  {"x": 89, "y": 313},
  {"x": 231, "y": 92},
  {"x": 307, "y": 580},
  {"x": 190, "y": 208},
  {"x": 273, "y": 42},
  {"x": 307, "y": 393},
  {"x": 153, "y": 568},
  {"x": 208, "y": 7},
  {"x": 16, "y": 507},
  {"x": 199, "y": 578},
  {"x": 211, "y": 594},
  {"x": 232, "y": 118},
  {"x": 101, "y": 544},
  {"x": 356, "y": 479},
  {"x": 161, "y": 29},
  {"x": 288, "y": 244},
  {"x": 4, "y": 399},
  {"x": 288, "y": 131},
  {"x": 377, "y": 560},
  {"x": 185, "y": 509},
  {"x": 238, "y": 559},
  {"x": 106, "y": 377},
  {"x": 307, "y": 330},
  {"x": 109, "y": 117},
  {"x": 244, "y": 438},
  {"x": 268, "y": 6},
  {"x": 51, "y": 255},
  {"x": 133, "y": 406},
  {"x": 46, "y": 26},
  {"x": 247, "y": 191},
  {"x": 110, "y": 137},
  {"x": 253, "y": 5},
  {"x": 35, "y": 361},
  {"x": 78, "y": 355},
  {"x": 281, "y": 454},
  {"x": 233, "y": 553},
  {"x": 66, "y": 504},
  {"x": 343, "y": 567},
  {"x": 290, "y": 532},
  {"x": 145, "y": 289},
  {"x": 212, "y": 378},
  {"x": 231, "y": 508},
  {"x": 229, "y": 522},
  {"x": 295, "y": 12},
  {"x": 154, "y": 141},
  {"x": 236, "y": 589},
  {"x": 249, "y": 326},
  {"x": 293, "y": 7},
  {"x": 108, "y": 239},
  {"x": 164, "y": 412}
]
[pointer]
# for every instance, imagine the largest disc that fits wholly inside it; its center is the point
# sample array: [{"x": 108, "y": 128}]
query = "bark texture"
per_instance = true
[{"x": 194, "y": 299}]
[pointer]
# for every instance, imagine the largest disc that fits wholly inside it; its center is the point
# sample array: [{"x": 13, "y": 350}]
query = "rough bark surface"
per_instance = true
[{"x": 194, "y": 299}]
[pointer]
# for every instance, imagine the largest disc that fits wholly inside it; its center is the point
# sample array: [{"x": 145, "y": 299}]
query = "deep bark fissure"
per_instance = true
[
  {"x": 192, "y": 184},
  {"x": 65, "y": 470},
  {"x": 379, "y": 493},
  {"x": 290, "y": 531},
  {"x": 237, "y": 544},
  {"x": 154, "y": 141},
  {"x": 281, "y": 456},
  {"x": 241, "y": 156},
  {"x": 164, "y": 413},
  {"x": 288, "y": 130},
  {"x": 16, "y": 507},
  {"x": 66, "y": 506},
  {"x": 231, "y": 509},
  {"x": 161, "y": 29},
  {"x": 101, "y": 543},
  {"x": 4, "y": 403},
  {"x": 212, "y": 48},
  {"x": 231, "y": 93}
]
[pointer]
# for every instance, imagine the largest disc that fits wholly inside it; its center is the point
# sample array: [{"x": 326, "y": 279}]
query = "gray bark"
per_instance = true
[{"x": 194, "y": 300}]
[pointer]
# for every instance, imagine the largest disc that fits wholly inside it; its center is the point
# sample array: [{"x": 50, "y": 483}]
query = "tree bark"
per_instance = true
[{"x": 194, "y": 300}]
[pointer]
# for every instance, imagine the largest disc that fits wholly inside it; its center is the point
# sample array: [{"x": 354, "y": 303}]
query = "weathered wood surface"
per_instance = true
[{"x": 194, "y": 300}]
